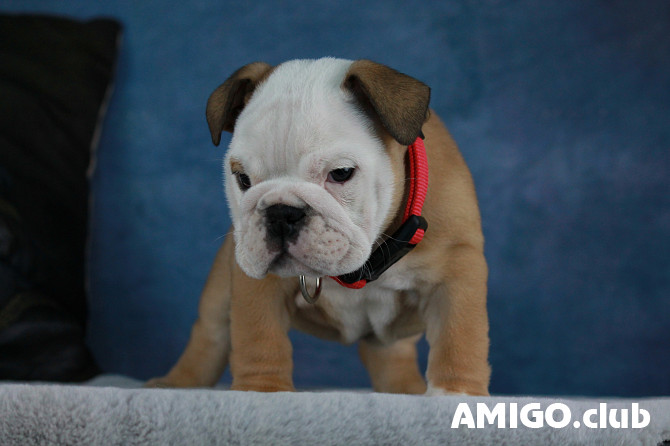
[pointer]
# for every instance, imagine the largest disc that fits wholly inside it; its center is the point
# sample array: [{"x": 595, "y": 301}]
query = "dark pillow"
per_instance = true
[{"x": 55, "y": 75}]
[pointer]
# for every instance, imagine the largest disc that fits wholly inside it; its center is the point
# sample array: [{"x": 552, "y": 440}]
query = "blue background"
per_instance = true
[{"x": 561, "y": 109}]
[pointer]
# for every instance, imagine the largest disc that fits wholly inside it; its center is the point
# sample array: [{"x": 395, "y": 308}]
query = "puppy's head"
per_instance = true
[{"x": 311, "y": 175}]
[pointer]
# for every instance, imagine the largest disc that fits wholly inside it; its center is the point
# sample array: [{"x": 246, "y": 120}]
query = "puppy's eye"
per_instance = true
[
  {"x": 243, "y": 180},
  {"x": 341, "y": 175}
]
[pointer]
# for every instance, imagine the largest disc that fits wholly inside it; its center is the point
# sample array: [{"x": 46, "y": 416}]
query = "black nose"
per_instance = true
[{"x": 284, "y": 222}]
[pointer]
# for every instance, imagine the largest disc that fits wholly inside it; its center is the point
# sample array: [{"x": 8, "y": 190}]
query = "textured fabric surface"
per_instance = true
[
  {"x": 67, "y": 415},
  {"x": 561, "y": 110},
  {"x": 54, "y": 79}
]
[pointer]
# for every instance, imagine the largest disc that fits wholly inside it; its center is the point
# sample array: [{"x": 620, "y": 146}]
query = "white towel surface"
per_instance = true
[{"x": 113, "y": 410}]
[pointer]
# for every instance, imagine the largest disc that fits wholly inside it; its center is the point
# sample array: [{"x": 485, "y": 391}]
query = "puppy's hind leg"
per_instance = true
[
  {"x": 208, "y": 349},
  {"x": 393, "y": 368}
]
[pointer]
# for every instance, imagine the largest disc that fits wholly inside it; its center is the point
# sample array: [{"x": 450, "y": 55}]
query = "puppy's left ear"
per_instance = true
[
  {"x": 400, "y": 102},
  {"x": 227, "y": 102}
]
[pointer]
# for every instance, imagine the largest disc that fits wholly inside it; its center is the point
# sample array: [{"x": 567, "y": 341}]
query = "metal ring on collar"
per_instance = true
[{"x": 310, "y": 298}]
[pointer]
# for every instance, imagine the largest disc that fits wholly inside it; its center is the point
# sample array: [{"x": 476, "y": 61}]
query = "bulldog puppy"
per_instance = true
[{"x": 317, "y": 178}]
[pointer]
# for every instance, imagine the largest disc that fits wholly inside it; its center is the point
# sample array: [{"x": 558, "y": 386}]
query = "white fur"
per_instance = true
[
  {"x": 298, "y": 126},
  {"x": 369, "y": 310},
  {"x": 361, "y": 312}
]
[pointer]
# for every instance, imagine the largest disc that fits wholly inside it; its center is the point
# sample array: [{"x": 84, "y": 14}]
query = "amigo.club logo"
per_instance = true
[{"x": 555, "y": 415}]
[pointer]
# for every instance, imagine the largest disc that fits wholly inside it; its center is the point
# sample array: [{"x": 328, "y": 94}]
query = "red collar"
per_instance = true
[{"x": 411, "y": 230}]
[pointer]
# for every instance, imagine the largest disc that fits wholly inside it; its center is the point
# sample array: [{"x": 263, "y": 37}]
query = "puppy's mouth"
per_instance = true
[
  {"x": 286, "y": 265},
  {"x": 291, "y": 242},
  {"x": 281, "y": 236}
]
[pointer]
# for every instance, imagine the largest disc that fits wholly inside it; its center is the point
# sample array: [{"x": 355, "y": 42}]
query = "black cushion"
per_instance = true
[{"x": 55, "y": 74}]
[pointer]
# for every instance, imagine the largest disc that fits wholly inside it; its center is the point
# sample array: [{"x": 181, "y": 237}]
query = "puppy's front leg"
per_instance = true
[
  {"x": 261, "y": 356},
  {"x": 457, "y": 326},
  {"x": 393, "y": 368}
]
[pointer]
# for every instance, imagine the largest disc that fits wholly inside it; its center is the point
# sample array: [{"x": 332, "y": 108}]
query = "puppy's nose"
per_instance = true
[{"x": 284, "y": 221}]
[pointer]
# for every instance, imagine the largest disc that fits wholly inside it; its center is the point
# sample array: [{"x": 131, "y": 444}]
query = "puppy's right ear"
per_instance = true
[{"x": 227, "y": 102}]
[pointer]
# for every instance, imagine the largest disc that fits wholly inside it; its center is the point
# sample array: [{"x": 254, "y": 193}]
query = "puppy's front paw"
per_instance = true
[
  {"x": 469, "y": 390},
  {"x": 170, "y": 381},
  {"x": 263, "y": 386},
  {"x": 438, "y": 391}
]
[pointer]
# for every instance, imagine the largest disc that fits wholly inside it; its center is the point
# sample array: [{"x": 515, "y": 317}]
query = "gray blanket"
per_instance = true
[{"x": 111, "y": 412}]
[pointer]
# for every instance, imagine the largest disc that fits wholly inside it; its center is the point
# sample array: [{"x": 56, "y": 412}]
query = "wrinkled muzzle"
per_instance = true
[{"x": 291, "y": 228}]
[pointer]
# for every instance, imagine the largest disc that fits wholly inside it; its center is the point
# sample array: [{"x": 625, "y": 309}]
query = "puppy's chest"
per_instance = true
[{"x": 355, "y": 314}]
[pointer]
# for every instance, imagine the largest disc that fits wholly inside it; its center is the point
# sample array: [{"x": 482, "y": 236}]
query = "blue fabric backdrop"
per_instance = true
[{"x": 562, "y": 110}]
